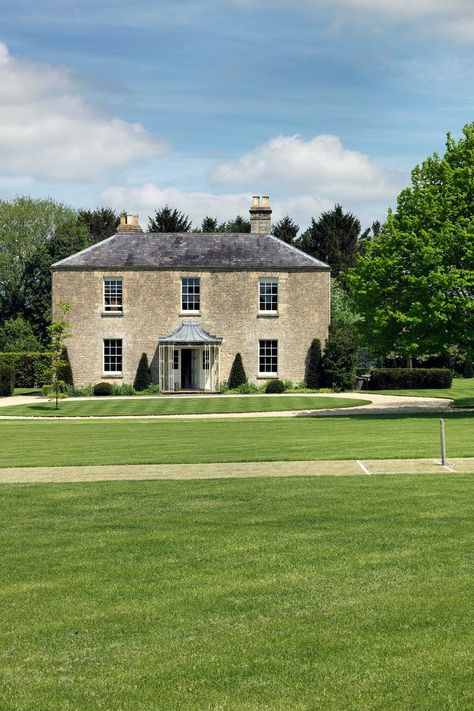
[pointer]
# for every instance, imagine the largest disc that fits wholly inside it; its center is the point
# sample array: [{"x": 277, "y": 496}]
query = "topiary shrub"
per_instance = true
[
  {"x": 237, "y": 373},
  {"x": 410, "y": 379},
  {"x": 65, "y": 370},
  {"x": 103, "y": 389},
  {"x": 275, "y": 386},
  {"x": 143, "y": 377},
  {"x": 313, "y": 364},
  {"x": 338, "y": 365},
  {"x": 7, "y": 380}
]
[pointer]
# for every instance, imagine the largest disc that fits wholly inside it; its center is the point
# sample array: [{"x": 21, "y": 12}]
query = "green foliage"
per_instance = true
[
  {"x": 33, "y": 235},
  {"x": 65, "y": 370},
  {"x": 343, "y": 311},
  {"x": 237, "y": 374},
  {"x": 209, "y": 224},
  {"x": 288, "y": 385},
  {"x": 334, "y": 239},
  {"x": 123, "y": 389},
  {"x": 235, "y": 226},
  {"x": 17, "y": 335},
  {"x": 286, "y": 230},
  {"x": 58, "y": 333},
  {"x": 143, "y": 377},
  {"x": 245, "y": 389},
  {"x": 313, "y": 364},
  {"x": 7, "y": 380},
  {"x": 468, "y": 371},
  {"x": 410, "y": 378},
  {"x": 275, "y": 386},
  {"x": 415, "y": 284},
  {"x": 152, "y": 389},
  {"x": 29, "y": 367},
  {"x": 102, "y": 389},
  {"x": 340, "y": 359},
  {"x": 72, "y": 391},
  {"x": 101, "y": 223},
  {"x": 168, "y": 220}
]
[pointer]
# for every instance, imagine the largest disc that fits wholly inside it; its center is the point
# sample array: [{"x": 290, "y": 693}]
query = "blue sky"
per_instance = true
[{"x": 200, "y": 103}]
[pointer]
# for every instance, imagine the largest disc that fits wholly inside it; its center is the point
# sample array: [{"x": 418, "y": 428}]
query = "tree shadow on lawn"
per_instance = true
[{"x": 442, "y": 414}]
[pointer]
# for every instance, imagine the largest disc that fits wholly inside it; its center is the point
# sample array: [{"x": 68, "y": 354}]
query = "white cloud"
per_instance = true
[
  {"x": 321, "y": 166},
  {"x": 452, "y": 18},
  {"x": 49, "y": 131}
]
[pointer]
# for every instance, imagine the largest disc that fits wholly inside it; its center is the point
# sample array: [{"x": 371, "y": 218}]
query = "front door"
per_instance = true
[{"x": 186, "y": 368}]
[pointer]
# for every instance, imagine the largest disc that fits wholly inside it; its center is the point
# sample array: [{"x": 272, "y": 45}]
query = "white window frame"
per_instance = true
[
  {"x": 176, "y": 359},
  {"x": 111, "y": 355},
  {"x": 265, "y": 282},
  {"x": 187, "y": 298},
  {"x": 268, "y": 354},
  {"x": 112, "y": 308}
]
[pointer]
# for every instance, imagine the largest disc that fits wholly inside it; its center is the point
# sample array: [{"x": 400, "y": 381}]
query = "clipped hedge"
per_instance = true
[
  {"x": 103, "y": 388},
  {"x": 406, "y": 379},
  {"x": 275, "y": 386},
  {"x": 7, "y": 380},
  {"x": 29, "y": 367}
]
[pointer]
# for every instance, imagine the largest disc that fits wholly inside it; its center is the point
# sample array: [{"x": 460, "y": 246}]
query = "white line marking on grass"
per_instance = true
[
  {"x": 445, "y": 466},
  {"x": 363, "y": 467}
]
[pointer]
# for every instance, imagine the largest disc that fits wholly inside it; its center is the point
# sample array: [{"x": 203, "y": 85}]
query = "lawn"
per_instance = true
[
  {"x": 239, "y": 594},
  {"x": 69, "y": 442},
  {"x": 182, "y": 405},
  {"x": 461, "y": 392}
]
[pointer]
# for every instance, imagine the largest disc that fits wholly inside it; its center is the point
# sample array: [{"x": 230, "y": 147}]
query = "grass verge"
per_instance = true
[
  {"x": 256, "y": 594},
  {"x": 461, "y": 392},
  {"x": 181, "y": 406},
  {"x": 68, "y": 442}
]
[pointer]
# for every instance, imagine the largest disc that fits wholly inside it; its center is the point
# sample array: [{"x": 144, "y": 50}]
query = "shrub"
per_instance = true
[
  {"x": 468, "y": 370},
  {"x": 85, "y": 391},
  {"x": 7, "y": 380},
  {"x": 246, "y": 389},
  {"x": 410, "y": 379},
  {"x": 338, "y": 367},
  {"x": 103, "y": 389},
  {"x": 275, "y": 386},
  {"x": 123, "y": 389},
  {"x": 224, "y": 387},
  {"x": 153, "y": 389},
  {"x": 237, "y": 374},
  {"x": 143, "y": 377},
  {"x": 30, "y": 367},
  {"x": 313, "y": 364},
  {"x": 65, "y": 370},
  {"x": 288, "y": 385}
]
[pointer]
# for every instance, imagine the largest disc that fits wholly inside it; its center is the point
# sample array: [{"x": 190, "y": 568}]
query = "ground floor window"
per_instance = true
[
  {"x": 175, "y": 359},
  {"x": 268, "y": 357},
  {"x": 205, "y": 360},
  {"x": 112, "y": 355}
]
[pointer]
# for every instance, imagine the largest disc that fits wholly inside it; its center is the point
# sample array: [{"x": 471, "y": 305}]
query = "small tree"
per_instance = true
[
  {"x": 58, "y": 333},
  {"x": 65, "y": 371},
  {"x": 313, "y": 364},
  {"x": 143, "y": 377},
  {"x": 340, "y": 359},
  {"x": 237, "y": 373}
]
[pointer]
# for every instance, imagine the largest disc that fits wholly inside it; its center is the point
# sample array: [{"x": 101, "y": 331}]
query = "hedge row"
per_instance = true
[
  {"x": 29, "y": 367},
  {"x": 406, "y": 379},
  {"x": 7, "y": 380}
]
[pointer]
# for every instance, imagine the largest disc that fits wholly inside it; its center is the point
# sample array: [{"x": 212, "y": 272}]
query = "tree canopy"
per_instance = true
[
  {"x": 169, "y": 220},
  {"x": 101, "y": 223},
  {"x": 286, "y": 229},
  {"x": 415, "y": 283},
  {"x": 334, "y": 239}
]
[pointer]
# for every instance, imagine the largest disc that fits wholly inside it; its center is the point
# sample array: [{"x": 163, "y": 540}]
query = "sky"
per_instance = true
[{"x": 200, "y": 104}]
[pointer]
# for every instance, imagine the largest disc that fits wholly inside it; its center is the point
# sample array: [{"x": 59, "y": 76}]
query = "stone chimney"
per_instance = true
[
  {"x": 260, "y": 215},
  {"x": 129, "y": 223}
]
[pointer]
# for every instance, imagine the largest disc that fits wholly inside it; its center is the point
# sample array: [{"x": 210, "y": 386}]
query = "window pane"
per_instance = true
[
  {"x": 205, "y": 360},
  {"x": 112, "y": 295},
  {"x": 190, "y": 294},
  {"x": 268, "y": 356},
  {"x": 113, "y": 355},
  {"x": 268, "y": 295},
  {"x": 176, "y": 360}
]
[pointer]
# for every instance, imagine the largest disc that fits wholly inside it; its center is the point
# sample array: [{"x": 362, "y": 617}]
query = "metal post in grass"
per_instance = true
[{"x": 442, "y": 440}]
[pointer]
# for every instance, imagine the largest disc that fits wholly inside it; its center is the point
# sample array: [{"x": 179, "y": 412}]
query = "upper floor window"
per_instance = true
[
  {"x": 113, "y": 295},
  {"x": 268, "y": 357},
  {"x": 268, "y": 295},
  {"x": 112, "y": 355},
  {"x": 190, "y": 294}
]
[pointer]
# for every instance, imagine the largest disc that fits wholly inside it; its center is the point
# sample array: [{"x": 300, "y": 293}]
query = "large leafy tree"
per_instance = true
[
  {"x": 101, "y": 223},
  {"x": 169, "y": 220},
  {"x": 286, "y": 229},
  {"x": 415, "y": 283},
  {"x": 334, "y": 238},
  {"x": 33, "y": 235}
]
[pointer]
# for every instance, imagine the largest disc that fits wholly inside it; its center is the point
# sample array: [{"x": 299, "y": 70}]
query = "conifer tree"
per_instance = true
[
  {"x": 313, "y": 369},
  {"x": 237, "y": 373},
  {"x": 143, "y": 377}
]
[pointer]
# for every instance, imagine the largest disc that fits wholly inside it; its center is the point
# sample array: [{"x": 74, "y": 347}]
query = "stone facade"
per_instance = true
[{"x": 229, "y": 309}]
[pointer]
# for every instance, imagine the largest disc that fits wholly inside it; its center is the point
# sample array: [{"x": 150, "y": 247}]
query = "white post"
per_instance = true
[{"x": 442, "y": 442}]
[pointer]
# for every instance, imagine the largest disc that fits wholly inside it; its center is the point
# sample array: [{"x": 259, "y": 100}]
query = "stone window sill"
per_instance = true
[
  {"x": 268, "y": 314},
  {"x": 112, "y": 313},
  {"x": 112, "y": 375},
  {"x": 189, "y": 313},
  {"x": 267, "y": 376}
]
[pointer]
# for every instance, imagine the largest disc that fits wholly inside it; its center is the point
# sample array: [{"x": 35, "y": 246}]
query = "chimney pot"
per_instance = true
[
  {"x": 260, "y": 215},
  {"x": 129, "y": 223}
]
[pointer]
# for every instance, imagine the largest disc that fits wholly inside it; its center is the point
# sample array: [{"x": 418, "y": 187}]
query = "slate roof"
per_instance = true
[
  {"x": 189, "y": 332},
  {"x": 152, "y": 250}
]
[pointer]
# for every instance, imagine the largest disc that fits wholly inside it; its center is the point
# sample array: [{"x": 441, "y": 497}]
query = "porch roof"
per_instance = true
[{"x": 190, "y": 333}]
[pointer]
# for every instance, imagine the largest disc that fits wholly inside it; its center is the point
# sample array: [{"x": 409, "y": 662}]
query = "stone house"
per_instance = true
[{"x": 191, "y": 301}]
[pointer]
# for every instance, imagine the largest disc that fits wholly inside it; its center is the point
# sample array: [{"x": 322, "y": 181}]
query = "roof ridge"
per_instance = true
[
  {"x": 87, "y": 249},
  {"x": 319, "y": 262}
]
